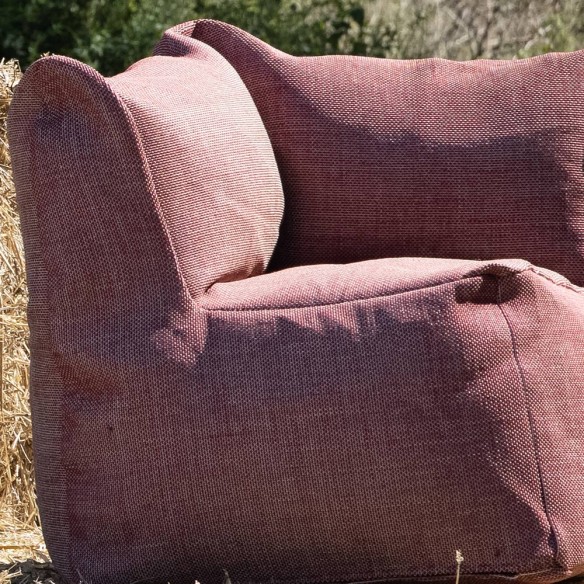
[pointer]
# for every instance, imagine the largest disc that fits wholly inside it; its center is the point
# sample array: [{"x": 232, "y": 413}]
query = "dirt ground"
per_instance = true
[{"x": 29, "y": 572}]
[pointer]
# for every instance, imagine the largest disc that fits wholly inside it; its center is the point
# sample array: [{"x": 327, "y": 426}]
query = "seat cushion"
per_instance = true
[{"x": 388, "y": 158}]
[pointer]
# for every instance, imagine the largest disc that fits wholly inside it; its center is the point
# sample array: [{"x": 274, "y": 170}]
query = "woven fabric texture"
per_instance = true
[
  {"x": 432, "y": 158},
  {"x": 353, "y": 422},
  {"x": 133, "y": 192}
]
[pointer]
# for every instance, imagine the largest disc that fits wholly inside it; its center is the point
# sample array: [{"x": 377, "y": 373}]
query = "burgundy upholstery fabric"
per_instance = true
[
  {"x": 322, "y": 423},
  {"x": 127, "y": 187},
  {"x": 387, "y": 158}
]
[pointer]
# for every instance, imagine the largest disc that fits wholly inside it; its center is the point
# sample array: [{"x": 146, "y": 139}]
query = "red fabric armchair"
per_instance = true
[{"x": 277, "y": 326}]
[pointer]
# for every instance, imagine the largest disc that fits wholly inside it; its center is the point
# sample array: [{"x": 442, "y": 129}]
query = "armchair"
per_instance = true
[{"x": 392, "y": 388}]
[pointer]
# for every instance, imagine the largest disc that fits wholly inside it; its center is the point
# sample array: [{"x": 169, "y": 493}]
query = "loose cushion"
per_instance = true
[{"x": 430, "y": 157}]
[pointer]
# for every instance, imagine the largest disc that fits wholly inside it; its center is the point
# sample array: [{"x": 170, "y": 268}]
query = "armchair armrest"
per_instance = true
[
  {"x": 135, "y": 193},
  {"x": 160, "y": 177}
]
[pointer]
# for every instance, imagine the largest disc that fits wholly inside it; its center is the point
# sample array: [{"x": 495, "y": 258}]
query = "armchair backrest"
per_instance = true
[{"x": 434, "y": 158}]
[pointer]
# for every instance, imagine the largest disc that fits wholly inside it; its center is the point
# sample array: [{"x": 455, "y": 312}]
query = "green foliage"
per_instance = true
[
  {"x": 111, "y": 34},
  {"x": 560, "y": 30},
  {"x": 106, "y": 34},
  {"x": 30, "y": 28},
  {"x": 123, "y": 31},
  {"x": 466, "y": 29},
  {"x": 300, "y": 27}
]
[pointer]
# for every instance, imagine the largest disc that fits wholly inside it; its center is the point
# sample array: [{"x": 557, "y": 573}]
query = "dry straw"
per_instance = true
[{"x": 20, "y": 535}]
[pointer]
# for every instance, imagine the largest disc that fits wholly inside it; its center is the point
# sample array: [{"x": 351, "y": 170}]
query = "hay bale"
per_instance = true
[{"x": 20, "y": 535}]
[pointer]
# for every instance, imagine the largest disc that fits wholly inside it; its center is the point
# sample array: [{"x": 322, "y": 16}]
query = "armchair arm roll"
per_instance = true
[
  {"x": 173, "y": 146},
  {"x": 136, "y": 193}
]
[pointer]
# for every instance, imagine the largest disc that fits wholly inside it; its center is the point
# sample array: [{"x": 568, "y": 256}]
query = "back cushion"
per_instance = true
[{"x": 379, "y": 158}]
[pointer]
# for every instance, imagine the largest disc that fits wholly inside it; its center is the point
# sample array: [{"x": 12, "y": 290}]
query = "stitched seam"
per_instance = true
[
  {"x": 157, "y": 206},
  {"x": 568, "y": 285},
  {"x": 531, "y": 424},
  {"x": 532, "y": 269},
  {"x": 322, "y": 305}
]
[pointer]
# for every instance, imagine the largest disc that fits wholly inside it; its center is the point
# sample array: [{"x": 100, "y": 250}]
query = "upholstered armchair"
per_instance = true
[{"x": 302, "y": 320}]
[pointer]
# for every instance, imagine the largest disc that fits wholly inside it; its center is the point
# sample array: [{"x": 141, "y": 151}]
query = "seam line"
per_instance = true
[
  {"x": 567, "y": 284},
  {"x": 554, "y": 544},
  {"x": 307, "y": 306}
]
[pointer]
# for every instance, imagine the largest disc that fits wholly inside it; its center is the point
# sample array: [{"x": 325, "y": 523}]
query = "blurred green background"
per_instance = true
[{"x": 111, "y": 34}]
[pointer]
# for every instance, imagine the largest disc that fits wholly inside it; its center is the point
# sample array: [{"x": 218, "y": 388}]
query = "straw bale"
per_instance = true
[{"x": 20, "y": 535}]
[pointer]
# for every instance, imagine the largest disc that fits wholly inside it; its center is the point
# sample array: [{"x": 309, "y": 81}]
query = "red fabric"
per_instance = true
[
  {"x": 322, "y": 423},
  {"x": 210, "y": 163},
  {"x": 130, "y": 189},
  {"x": 432, "y": 158}
]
